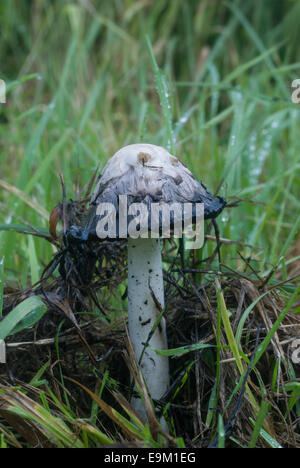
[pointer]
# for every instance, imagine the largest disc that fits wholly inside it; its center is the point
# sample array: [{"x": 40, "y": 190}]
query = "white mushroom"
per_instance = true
[{"x": 145, "y": 174}]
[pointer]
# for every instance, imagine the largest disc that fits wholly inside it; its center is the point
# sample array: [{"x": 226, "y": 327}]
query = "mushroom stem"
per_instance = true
[{"x": 145, "y": 302}]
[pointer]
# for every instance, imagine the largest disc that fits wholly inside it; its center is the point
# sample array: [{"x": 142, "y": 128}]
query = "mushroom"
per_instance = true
[{"x": 136, "y": 179}]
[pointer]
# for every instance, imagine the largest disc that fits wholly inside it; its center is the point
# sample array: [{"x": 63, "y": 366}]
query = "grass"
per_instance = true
[{"x": 210, "y": 81}]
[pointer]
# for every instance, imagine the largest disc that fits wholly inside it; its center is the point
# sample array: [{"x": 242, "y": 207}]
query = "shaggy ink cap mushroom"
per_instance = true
[{"x": 147, "y": 175}]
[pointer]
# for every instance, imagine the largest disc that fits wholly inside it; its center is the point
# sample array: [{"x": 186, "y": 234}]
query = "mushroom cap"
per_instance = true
[{"x": 148, "y": 174}]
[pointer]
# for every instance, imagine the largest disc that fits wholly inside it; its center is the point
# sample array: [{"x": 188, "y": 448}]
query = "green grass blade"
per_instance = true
[
  {"x": 33, "y": 308},
  {"x": 181, "y": 350},
  {"x": 164, "y": 97},
  {"x": 221, "y": 432},
  {"x": 269, "y": 439},
  {"x": 264, "y": 407}
]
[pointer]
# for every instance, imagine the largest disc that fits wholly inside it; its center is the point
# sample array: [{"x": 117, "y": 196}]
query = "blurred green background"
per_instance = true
[{"x": 210, "y": 80}]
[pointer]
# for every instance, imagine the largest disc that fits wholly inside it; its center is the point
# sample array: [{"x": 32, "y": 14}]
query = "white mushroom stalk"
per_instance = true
[
  {"x": 145, "y": 304},
  {"x": 145, "y": 175}
]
